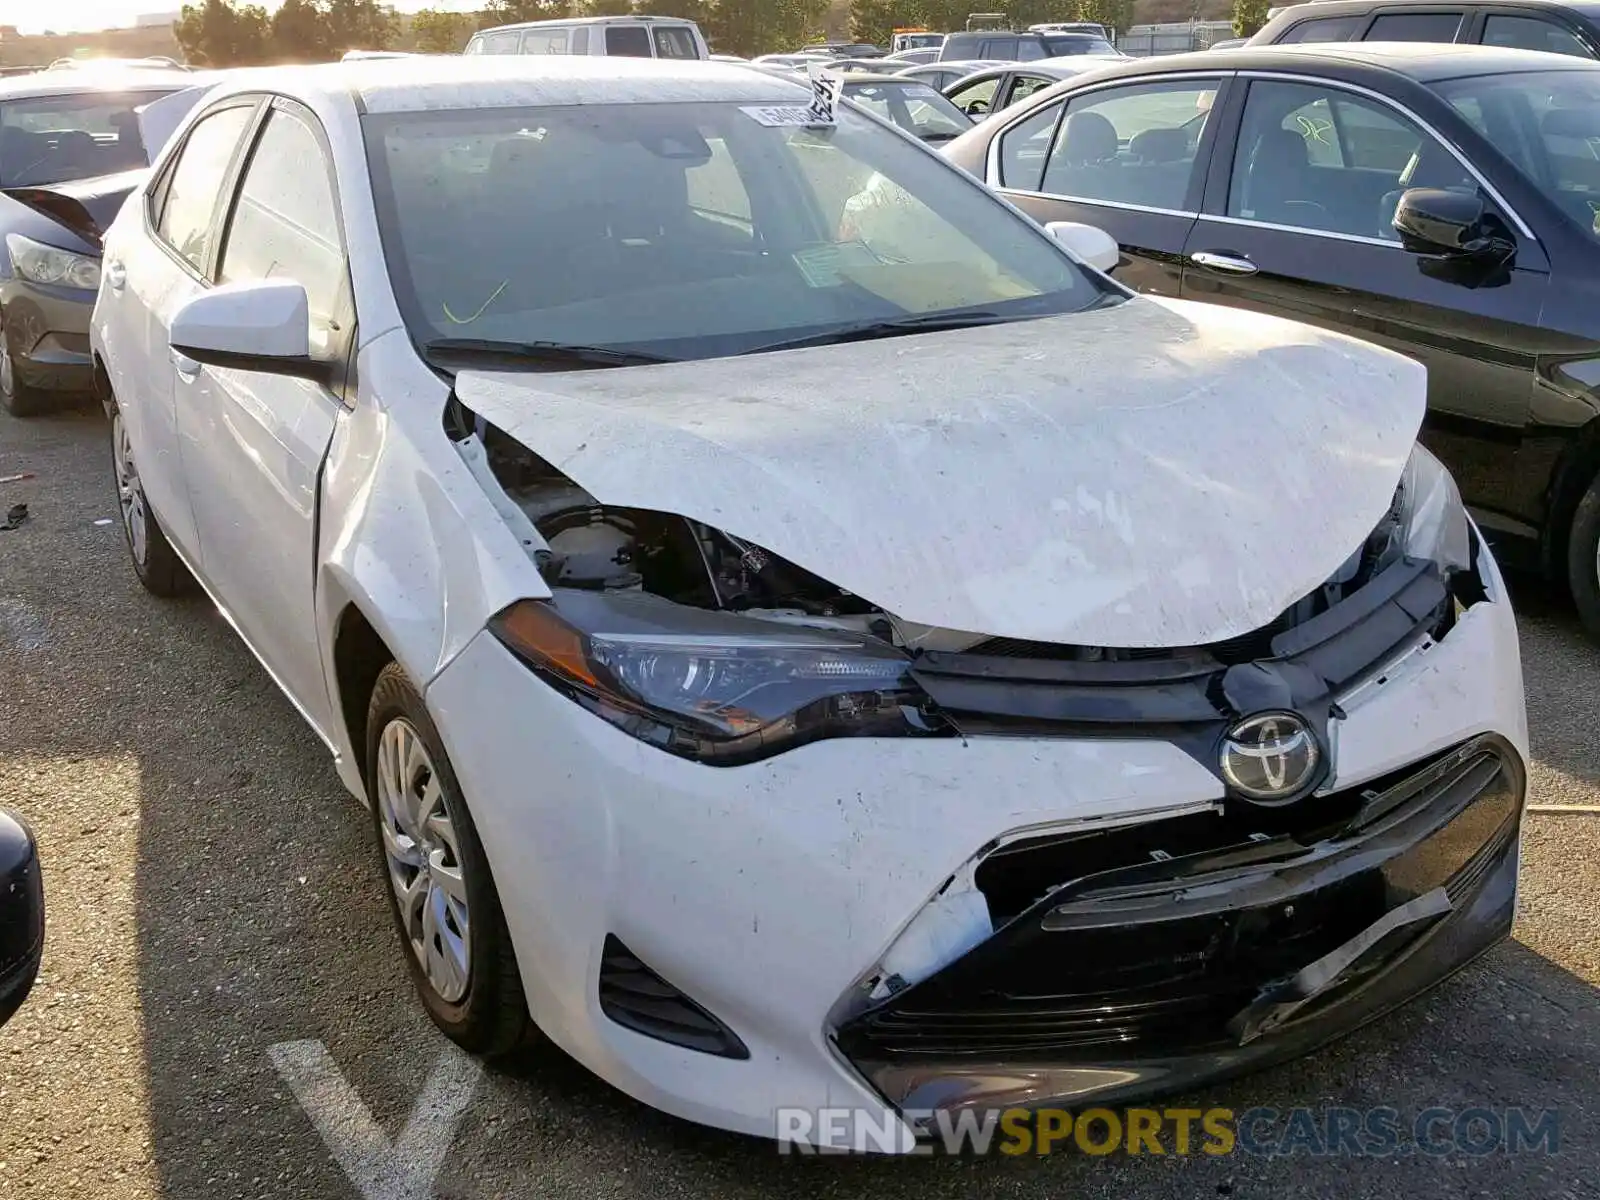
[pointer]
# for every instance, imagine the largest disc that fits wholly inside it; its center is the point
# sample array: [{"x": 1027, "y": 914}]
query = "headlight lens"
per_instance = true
[
  {"x": 48, "y": 264},
  {"x": 1432, "y": 519},
  {"x": 731, "y": 690}
]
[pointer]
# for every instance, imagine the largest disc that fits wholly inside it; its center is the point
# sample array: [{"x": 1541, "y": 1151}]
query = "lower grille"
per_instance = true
[
  {"x": 635, "y": 997},
  {"x": 1150, "y": 957}
]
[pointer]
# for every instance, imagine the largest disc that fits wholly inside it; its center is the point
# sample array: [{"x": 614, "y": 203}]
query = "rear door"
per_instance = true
[
  {"x": 1127, "y": 157},
  {"x": 254, "y": 442},
  {"x": 146, "y": 273},
  {"x": 1296, "y": 221}
]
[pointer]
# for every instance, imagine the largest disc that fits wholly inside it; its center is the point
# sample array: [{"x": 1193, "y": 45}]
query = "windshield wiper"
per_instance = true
[
  {"x": 550, "y": 352},
  {"x": 898, "y": 327}
]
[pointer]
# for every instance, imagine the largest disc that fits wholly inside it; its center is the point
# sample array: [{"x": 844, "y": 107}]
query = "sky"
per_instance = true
[{"x": 73, "y": 16}]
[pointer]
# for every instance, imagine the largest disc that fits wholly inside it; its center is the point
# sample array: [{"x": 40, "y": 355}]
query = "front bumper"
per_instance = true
[
  {"x": 1150, "y": 974},
  {"x": 767, "y": 893},
  {"x": 47, "y": 332}
]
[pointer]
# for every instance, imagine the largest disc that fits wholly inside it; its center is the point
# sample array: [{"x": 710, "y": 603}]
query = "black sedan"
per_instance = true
[{"x": 1443, "y": 201}]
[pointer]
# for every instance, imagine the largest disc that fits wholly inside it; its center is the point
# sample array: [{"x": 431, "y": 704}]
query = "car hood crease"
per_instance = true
[{"x": 1150, "y": 474}]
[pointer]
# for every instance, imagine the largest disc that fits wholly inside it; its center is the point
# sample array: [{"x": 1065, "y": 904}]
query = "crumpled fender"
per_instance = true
[{"x": 425, "y": 588}]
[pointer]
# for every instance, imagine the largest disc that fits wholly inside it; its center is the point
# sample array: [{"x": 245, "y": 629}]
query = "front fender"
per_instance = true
[{"x": 407, "y": 534}]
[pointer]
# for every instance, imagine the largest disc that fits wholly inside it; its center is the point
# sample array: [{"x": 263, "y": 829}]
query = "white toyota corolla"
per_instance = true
[{"x": 798, "y": 661}]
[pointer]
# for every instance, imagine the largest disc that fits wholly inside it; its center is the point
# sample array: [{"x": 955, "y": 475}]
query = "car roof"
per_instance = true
[
  {"x": 1068, "y": 66},
  {"x": 73, "y": 83},
  {"x": 624, "y": 18},
  {"x": 437, "y": 82},
  {"x": 1339, "y": 7},
  {"x": 875, "y": 77},
  {"x": 1424, "y": 62}
]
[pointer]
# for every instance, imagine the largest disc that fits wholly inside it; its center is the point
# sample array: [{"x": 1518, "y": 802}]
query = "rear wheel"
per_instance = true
[
  {"x": 16, "y": 397},
  {"x": 154, "y": 560},
  {"x": 1583, "y": 559},
  {"x": 441, "y": 894}
]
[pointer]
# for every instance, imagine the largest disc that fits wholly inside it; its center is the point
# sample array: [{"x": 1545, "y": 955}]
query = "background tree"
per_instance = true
[
  {"x": 434, "y": 31},
  {"x": 508, "y": 12},
  {"x": 1248, "y": 17},
  {"x": 216, "y": 33},
  {"x": 1113, "y": 14},
  {"x": 604, "y": 8},
  {"x": 359, "y": 25},
  {"x": 300, "y": 32}
]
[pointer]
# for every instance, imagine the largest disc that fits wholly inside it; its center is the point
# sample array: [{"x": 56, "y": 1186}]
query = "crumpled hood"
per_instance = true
[{"x": 1155, "y": 473}]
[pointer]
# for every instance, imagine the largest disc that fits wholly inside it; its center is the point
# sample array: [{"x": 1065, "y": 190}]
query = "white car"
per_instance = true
[{"x": 794, "y": 669}]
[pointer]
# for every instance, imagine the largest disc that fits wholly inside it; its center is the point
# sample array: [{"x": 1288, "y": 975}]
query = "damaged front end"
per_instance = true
[{"x": 1077, "y": 960}]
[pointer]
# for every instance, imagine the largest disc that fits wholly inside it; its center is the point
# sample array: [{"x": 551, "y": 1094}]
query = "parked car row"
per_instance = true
[
  {"x": 1441, "y": 201},
  {"x": 778, "y": 602}
]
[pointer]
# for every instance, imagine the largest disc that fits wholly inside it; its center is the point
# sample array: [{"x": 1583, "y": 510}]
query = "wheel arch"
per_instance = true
[
  {"x": 1574, "y": 473},
  {"x": 359, "y": 655}
]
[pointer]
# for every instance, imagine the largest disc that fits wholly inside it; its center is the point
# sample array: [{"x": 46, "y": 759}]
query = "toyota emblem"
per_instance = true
[{"x": 1270, "y": 757}]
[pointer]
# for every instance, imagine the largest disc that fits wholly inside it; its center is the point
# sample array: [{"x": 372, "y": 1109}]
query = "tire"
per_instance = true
[
  {"x": 16, "y": 397},
  {"x": 154, "y": 560},
  {"x": 1583, "y": 559},
  {"x": 484, "y": 1013}
]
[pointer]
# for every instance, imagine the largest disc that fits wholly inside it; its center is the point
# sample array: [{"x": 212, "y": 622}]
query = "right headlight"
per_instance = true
[
  {"x": 49, "y": 264},
  {"x": 1432, "y": 520},
  {"x": 714, "y": 687}
]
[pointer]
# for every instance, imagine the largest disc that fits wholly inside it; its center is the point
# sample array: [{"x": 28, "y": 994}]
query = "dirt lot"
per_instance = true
[{"x": 212, "y": 895}]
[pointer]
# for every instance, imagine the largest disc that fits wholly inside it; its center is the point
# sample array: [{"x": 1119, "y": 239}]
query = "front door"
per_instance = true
[
  {"x": 254, "y": 442},
  {"x": 1127, "y": 158},
  {"x": 1297, "y": 222}
]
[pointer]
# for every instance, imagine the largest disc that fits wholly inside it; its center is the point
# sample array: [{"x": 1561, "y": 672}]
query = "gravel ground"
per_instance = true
[{"x": 212, "y": 893}]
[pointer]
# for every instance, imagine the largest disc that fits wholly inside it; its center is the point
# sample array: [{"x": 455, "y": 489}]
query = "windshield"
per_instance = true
[
  {"x": 55, "y": 139},
  {"x": 1548, "y": 124},
  {"x": 1061, "y": 47},
  {"x": 915, "y": 107},
  {"x": 690, "y": 230}
]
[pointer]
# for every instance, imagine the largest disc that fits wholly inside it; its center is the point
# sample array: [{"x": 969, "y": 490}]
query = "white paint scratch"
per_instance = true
[{"x": 380, "y": 1170}]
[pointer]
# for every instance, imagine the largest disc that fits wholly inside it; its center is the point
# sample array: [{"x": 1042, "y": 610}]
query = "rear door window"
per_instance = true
[
  {"x": 1000, "y": 49},
  {"x": 188, "y": 211},
  {"x": 1133, "y": 145},
  {"x": 628, "y": 41},
  {"x": 1324, "y": 29},
  {"x": 544, "y": 41},
  {"x": 505, "y": 42},
  {"x": 675, "y": 41},
  {"x": 1414, "y": 27},
  {"x": 1533, "y": 33}
]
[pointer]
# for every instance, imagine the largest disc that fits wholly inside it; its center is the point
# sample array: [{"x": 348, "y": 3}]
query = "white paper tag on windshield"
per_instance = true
[
  {"x": 776, "y": 115},
  {"x": 826, "y": 88}
]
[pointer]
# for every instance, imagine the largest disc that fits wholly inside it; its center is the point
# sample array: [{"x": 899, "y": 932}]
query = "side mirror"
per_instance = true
[
  {"x": 21, "y": 914},
  {"x": 1093, "y": 245},
  {"x": 1433, "y": 221},
  {"x": 263, "y": 325}
]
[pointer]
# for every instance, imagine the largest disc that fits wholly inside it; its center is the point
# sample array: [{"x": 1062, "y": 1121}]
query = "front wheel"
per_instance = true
[
  {"x": 441, "y": 894},
  {"x": 1583, "y": 559},
  {"x": 16, "y": 397}
]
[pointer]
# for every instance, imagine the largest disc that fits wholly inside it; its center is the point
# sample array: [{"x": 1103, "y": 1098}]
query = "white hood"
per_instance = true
[{"x": 1156, "y": 473}]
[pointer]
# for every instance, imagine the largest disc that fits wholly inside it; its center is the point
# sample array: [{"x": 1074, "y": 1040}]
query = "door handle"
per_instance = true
[
  {"x": 186, "y": 367},
  {"x": 116, "y": 276},
  {"x": 1232, "y": 264}
]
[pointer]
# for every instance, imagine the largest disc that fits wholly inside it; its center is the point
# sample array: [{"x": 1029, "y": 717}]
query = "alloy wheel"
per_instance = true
[
  {"x": 129, "y": 492},
  {"x": 424, "y": 860}
]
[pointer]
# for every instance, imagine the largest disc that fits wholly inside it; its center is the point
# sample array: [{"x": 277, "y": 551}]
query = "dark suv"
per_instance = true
[
  {"x": 1005, "y": 45},
  {"x": 1517, "y": 24}
]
